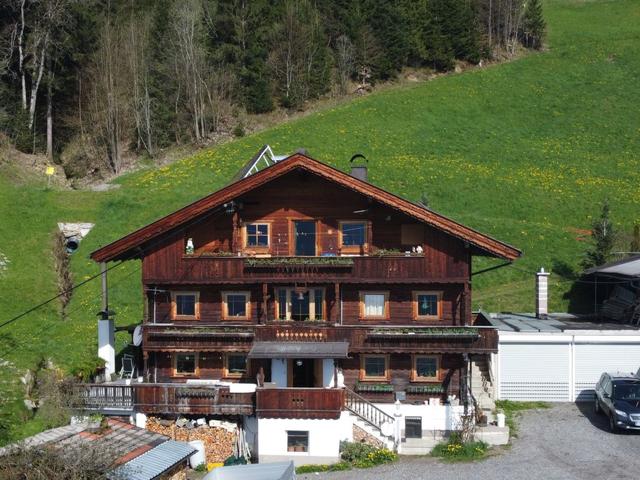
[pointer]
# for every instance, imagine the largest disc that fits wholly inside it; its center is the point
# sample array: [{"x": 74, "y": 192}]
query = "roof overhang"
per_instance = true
[
  {"x": 299, "y": 350},
  {"x": 628, "y": 267},
  {"x": 130, "y": 246}
]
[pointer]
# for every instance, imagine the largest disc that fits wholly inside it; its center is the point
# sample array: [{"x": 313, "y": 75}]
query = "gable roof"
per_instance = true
[{"x": 129, "y": 245}]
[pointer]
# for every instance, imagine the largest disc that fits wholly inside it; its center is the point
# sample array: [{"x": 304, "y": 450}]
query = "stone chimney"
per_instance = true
[{"x": 542, "y": 293}]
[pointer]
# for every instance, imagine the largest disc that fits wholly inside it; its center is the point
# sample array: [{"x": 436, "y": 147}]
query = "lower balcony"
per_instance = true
[
  {"x": 164, "y": 398},
  {"x": 313, "y": 403}
]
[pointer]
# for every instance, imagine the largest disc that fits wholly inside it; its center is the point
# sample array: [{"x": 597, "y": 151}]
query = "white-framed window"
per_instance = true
[
  {"x": 257, "y": 235},
  {"x": 299, "y": 304},
  {"x": 185, "y": 305},
  {"x": 185, "y": 364},
  {"x": 297, "y": 441},
  {"x": 374, "y": 305},
  {"x": 236, "y": 306}
]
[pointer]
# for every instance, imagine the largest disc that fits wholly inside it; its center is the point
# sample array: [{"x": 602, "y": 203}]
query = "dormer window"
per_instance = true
[
  {"x": 257, "y": 236},
  {"x": 353, "y": 237}
]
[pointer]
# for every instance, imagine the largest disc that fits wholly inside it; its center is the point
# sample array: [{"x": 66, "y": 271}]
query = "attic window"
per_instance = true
[
  {"x": 353, "y": 236},
  {"x": 257, "y": 235}
]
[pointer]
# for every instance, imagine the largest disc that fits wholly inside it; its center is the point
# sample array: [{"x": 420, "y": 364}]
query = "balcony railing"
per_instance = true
[
  {"x": 325, "y": 403},
  {"x": 164, "y": 398},
  {"x": 202, "y": 268}
]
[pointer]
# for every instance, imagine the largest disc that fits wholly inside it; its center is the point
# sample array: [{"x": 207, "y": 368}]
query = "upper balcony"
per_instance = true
[{"x": 399, "y": 268}]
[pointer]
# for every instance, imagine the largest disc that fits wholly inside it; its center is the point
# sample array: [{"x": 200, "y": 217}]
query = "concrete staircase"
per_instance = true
[
  {"x": 420, "y": 446},
  {"x": 370, "y": 418},
  {"x": 481, "y": 386}
]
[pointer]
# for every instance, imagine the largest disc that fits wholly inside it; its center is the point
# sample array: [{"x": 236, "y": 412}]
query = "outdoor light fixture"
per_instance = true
[{"x": 299, "y": 363}]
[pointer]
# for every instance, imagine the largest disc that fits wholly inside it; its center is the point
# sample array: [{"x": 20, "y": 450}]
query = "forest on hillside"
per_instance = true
[{"x": 89, "y": 83}]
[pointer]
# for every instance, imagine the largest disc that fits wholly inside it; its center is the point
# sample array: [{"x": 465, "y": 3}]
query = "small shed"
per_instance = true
[{"x": 258, "y": 471}]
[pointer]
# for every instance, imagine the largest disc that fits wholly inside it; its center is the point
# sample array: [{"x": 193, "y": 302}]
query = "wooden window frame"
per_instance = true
[
  {"x": 292, "y": 236},
  {"x": 226, "y": 372},
  {"x": 225, "y": 309},
  {"x": 290, "y": 291},
  {"x": 354, "y": 249},
  {"x": 414, "y": 370},
  {"x": 196, "y": 373},
  {"x": 256, "y": 248},
  {"x": 415, "y": 309},
  {"x": 174, "y": 306},
  {"x": 363, "y": 372},
  {"x": 362, "y": 309}
]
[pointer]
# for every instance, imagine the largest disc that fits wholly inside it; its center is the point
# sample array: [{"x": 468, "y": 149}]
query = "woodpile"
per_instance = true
[{"x": 218, "y": 441}]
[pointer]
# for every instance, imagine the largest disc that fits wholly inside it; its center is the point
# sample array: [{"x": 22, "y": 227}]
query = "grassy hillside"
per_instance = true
[{"x": 523, "y": 151}]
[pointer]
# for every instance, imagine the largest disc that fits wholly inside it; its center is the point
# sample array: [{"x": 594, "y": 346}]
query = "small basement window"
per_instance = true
[
  {"x": 235, "y": 365},
  {"x": 185, "y": 364},
  {"x": 185, "y": 305},
  {"x": 413, "y": 427},
  {"x": 297, "y": 441},
  {"x": 235, "y": 305}
]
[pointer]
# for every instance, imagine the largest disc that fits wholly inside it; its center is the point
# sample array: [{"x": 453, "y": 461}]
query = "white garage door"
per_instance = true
[
  {"x": 537, "y": 371},
  {"x": 593, "y": 359}
]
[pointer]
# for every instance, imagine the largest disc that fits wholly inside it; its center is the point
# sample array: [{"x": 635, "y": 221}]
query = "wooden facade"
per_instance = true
[{"x": 284, "y": 236}]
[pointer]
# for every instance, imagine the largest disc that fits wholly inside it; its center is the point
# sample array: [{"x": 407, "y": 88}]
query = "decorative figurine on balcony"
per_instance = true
[{"x": 190, "y": 248}]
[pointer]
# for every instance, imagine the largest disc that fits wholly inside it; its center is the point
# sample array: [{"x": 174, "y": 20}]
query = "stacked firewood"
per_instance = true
[{"x": 218, "y": 441}]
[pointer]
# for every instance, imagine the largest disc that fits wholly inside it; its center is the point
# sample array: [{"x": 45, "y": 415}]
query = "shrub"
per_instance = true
[
  {"x": 334, "y": 467},
  {"x": 455, "y": 450},
  {"x": 362, "y": 455}
]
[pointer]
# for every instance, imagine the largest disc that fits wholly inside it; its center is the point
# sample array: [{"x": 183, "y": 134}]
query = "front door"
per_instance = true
[
  {"x": 303, "y": 373},
  {"x": 305, "y": 235}
]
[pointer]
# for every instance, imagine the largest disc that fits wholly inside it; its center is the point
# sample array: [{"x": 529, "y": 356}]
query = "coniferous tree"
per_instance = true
[
  {"x": 533, "y": 25},
  {"x": 603, "y": 236}
]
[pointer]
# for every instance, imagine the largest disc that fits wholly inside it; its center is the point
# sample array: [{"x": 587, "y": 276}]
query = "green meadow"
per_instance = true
[{"x": 524, "y": 151}]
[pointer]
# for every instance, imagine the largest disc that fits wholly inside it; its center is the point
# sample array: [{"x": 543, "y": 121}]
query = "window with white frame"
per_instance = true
[
  {"x": 374, "y": 305},
  {"x": 300, "y": 304}
]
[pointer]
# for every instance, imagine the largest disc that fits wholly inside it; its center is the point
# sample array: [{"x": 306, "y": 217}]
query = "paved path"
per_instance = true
[{"x": 567, "y": 442}]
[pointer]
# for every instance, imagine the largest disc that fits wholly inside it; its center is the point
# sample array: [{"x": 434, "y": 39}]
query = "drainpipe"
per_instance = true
[{"x": 106, "y": 330}]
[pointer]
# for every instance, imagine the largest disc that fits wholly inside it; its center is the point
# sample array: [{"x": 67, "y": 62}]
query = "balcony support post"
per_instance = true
[
  {"x": 337, "y": 304},
  {"x": 265, "y": 303}
]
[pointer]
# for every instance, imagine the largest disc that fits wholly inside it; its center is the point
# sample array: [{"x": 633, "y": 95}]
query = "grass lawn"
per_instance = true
[{"x": 524, "y": 151}]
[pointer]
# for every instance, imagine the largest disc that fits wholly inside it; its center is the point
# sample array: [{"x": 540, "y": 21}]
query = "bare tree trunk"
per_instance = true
[
  {"x": 50, "y": 117},
  {"x": 34, "y": 88},
  {"x": 21, "y": 57}
]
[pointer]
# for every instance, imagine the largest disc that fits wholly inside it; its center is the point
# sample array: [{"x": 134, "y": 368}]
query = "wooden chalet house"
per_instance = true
[{"x": 306, "y": 300}]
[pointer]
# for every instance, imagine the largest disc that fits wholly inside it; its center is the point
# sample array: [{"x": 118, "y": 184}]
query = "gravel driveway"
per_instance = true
[{"x": 567, "y": 441}]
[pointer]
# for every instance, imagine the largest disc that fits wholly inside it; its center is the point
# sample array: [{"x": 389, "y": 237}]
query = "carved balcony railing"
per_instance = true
[{"x": 314, "y": 403}]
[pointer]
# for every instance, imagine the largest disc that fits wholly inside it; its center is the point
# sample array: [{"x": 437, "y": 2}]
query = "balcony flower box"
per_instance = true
[
  {"x": 434, "y": 332},
  {"x": 425, "y": 389},
  {"x": 279, "y": 262},
  {"x": 374, "y": 387}
]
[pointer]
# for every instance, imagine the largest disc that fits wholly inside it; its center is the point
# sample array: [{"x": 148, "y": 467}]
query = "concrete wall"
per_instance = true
[
  {"x": 324, "y": 439},
  {"x": 434, "y": 417}
]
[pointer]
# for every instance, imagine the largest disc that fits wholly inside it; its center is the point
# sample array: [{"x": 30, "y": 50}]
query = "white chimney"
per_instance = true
[{"x": 542, "y": 293}]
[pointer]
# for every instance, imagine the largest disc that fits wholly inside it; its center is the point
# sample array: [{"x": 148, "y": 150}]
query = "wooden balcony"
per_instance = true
[
  {"x": 314, "y": 403},
  {"x": 387, "y": 339},
  {"x": 194, "y": 269},
  {"x": 164, "y": 398}
]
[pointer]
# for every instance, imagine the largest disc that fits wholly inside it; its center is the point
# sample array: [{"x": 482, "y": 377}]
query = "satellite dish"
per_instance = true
[
  {"x": 137, "y": 336},
  {"x": 386, "y": 429}
]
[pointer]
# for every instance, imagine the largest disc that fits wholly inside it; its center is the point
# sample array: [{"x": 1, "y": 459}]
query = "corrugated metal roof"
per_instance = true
[
  {"x": 554, "y": 323},
  {"x": 628, "y": 267},
  {"x": 261, "y": 471},
  {"x": 153, "y": 463},
  {"x": 299, "y": 350}
]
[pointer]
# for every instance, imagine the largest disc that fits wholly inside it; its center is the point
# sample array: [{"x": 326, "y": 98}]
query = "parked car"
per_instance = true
[{"x": 618, "y": 397}]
